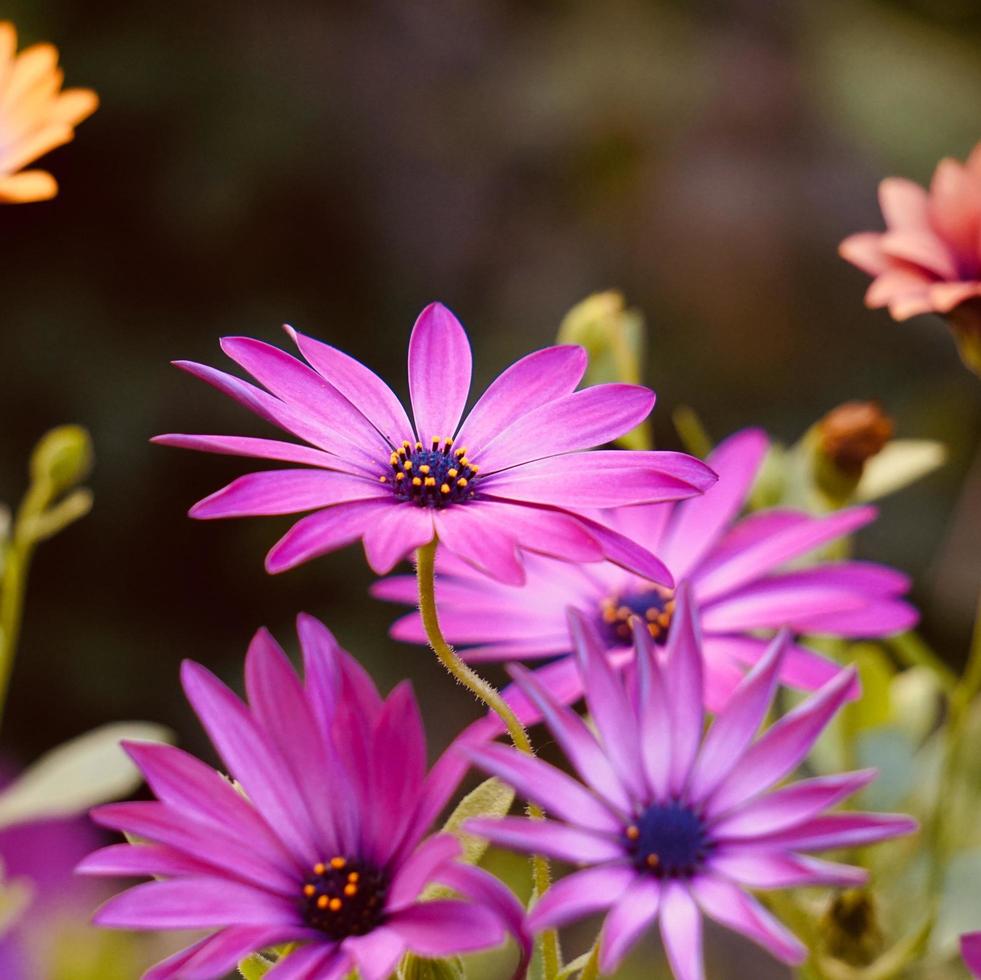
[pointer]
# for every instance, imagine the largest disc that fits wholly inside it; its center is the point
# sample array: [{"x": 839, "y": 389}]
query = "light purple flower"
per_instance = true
[
  {"x": 735, "y": 569},
  {"x": 325, "y": 844},
  {"x": 671, "y": 825},
  {"x": 505, "y": 478},
  {"x": 971, "y": 951}
]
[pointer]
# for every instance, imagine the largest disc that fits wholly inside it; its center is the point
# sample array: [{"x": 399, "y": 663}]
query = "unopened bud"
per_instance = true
[
  {"x": 850, "y": 928},
  {"x": 614, "y": 338},
  {"x": 62, "y": 459},
  {"x": 853, "y": 433}
]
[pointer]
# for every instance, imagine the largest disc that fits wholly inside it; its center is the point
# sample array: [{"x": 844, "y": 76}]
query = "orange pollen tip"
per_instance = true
[
  {"x": 430, "y": 481},
  {"x": 405, "y": 445},
  {"x": 633, "y": 833},
  {"x": 453, "y": 473},
  {"x": 394, "y": 458},
  {"x": 353, "y": 877},
  {"x": 309, "y": 890},
  {"x": 460, "y": 453},
  {"x": 383, "y": 479},
  {"x": 418, "y": 446},
  {"x": 464, "y": 461},
  {"x": 319, "y": 869},
  {"x": 407, "y": 465},
  {"x": 416, "y": 481},
  {"x": 400, "y": 476},
  {"x": 445, "y": 488},
  {"x": 335, "y": 904},
  {"x": 461, "y": 482},
  {"x": 424, "y": 469},
  {"x": 337, "y": 863},
  {"x": 323, "y": 902},
  {"x": 350, "y": 890},
  {"x": 652, "y": 860},
  {"x": 473, "y": 469}
]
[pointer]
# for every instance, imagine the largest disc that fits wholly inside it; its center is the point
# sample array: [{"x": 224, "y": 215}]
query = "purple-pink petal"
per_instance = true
[
  {"x": 536, "y": 379},
  {"x": 685, "y": 689},
  {"x": 697, "y": 524},
  {"x": 196, "y": 903},
  {"x": 284, "y": 452},
  {"x": 782, "y": 747},
  {"x": 324, "y": 531},
  {"x": 439, "y": 373},
  {"x": 218, "y": 954},
  {"x": 557, "y": 840},
  {"x": 732, "y": 907},
  {"x": 736, "y": 725},
  {"x": 377, "y": 953},
  {"x": 835, "y": 830},
  {"x": 760, "y": 867},
  {"x": 580, "y": 894},
  {"x": 442, "y": 927},
  {"x": 631, "y": 915},
  {"x": 603, "y": 478},
  {"x": 681, "y": 932},
  {"x": 971, "y": 951},
  {"x": 542, "y": 783},
  {"x": 582, "y": 420},
  {"x": 395, "y": 534},
  {"x": 271, "y": 492},
  {"x": 481, "y": 542},
  {"x": 359, "y": 384}
]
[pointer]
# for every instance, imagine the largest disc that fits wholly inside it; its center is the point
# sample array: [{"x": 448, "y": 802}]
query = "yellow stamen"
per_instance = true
[
  {"x": 652, "y": 860},
  {"x": 407, "y": 465},
  {"x": 430, "y": 481},
  {"x": 309, "y": 890},
  {"x": 350, "y": 890},
  {"x": 322, "y": 902},
  {"x": 399, "y": 476},
  {"x": 335, "y": 904},
  {"x": 416, "y": 481},
  {"x": 461, "y": 482},
  {"x": 337, "y": 863},
  {"x": 424, "y": 469},
  {"x": 445, "y": 488},
  {"x": 319, "y": 869},
  {"x": 452, "y": 473}
]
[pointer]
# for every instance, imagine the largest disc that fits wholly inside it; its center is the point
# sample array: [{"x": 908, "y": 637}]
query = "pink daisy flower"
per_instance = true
[
  {"x": 669, "y": 825},
  {"x": 324, "y": 847},
  {"x": 928, "y": 260},
  {"x": 736, "y": 569},
  {"x": 506, "y": 477}
]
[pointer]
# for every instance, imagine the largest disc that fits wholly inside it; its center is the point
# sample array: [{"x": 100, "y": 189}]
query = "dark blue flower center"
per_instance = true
[
  {"x": 654, "y": 606},
  {"x": 668, "y": 840},
  {"x": 434, "y": 477},
  {"x": 344, "y": 897}
]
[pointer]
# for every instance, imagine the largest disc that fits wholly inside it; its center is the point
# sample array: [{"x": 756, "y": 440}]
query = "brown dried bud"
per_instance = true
[
  {"x": 853, "y": 433},
  {"x": 850, "y": 928}
]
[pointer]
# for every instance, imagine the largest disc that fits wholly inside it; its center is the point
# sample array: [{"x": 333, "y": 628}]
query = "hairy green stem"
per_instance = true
[{"x": 488, "y": 695}]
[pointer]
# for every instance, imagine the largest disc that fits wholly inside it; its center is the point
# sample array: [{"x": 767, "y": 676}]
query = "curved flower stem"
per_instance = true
[{"x": 488, "y": 695}]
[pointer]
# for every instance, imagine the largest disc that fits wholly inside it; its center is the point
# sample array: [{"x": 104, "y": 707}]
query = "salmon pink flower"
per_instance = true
[
  {"x": 35, "y": 116},
  {"x": 735, "y": 570},
  {"x": 325, "y": 844},
  {"x": 928, "y": 260},
  {"x": 668, "y": 825},
  {"x": 507, "y": 477}
]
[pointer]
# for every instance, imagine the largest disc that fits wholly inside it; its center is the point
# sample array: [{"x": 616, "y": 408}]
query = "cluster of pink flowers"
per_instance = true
[{"x": 632, "y": 573}]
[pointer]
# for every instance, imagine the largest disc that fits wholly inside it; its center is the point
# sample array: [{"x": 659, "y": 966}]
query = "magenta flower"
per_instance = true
[
  {"x": 971, "y": 951},
  {"x": 928, "y": 260},
  {"x": 504, "y": 478},
  {"x": 324, "y": 846},
  {"x": 670, "y": 825},
  {"x": 733, "y": 567}
]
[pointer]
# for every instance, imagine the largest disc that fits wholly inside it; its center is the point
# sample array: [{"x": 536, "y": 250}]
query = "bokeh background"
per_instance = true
[{"x": 339, "y": 165}]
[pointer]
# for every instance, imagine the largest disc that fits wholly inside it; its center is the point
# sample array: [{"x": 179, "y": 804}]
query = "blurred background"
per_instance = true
[{"x": 338, "y": 166}]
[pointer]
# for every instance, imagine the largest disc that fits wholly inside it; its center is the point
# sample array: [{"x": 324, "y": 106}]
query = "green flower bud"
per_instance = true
[
  {"x": 414, "y": 968},
  {"x": 614, "y": 337},
  {"x": 62, "y": 459}
]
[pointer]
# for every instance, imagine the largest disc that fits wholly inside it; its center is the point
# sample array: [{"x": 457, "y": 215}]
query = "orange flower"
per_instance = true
[
  {"x": 35, "y": 116},
  {"x": 929, "y": 258}
]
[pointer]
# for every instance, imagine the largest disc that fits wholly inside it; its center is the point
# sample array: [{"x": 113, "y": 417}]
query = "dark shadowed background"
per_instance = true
[{"x": 339, "y": 165}]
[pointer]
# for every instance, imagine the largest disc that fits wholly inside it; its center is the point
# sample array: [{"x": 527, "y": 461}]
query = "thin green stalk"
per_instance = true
[
  {"x": 488, "y": 695},
  {"x": 591, "y": 970}
]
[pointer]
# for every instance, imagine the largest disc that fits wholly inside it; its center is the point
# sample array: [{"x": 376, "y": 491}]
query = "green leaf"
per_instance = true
[
  {"x": 415, "y": 968},
  {"x": 900, "y": 463},
  {"x": 76, "y": 775},
  {"x": 255, "y": 967},
  {"x": 491, "y": 798},
  {"x": 875, "y": 670}
]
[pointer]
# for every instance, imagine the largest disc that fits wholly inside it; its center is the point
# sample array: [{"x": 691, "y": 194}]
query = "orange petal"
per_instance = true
[{"x": 31, "y": 185}]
